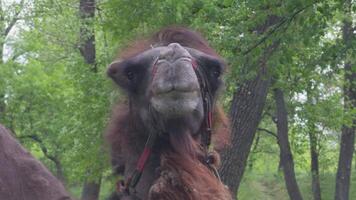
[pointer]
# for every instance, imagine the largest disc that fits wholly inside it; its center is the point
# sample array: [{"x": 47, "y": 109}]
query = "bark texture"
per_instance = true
[
  {"x": 246, "y": 110},
  {"x": 245, "y": 113},
  {"x": 59, "y": 171},
  {"x": 22, "y": 177},
  {"x": 87, "y": 36},
  {"x": 285, "y": 151},
  {"x": 91, "y": 189},
  {"x": 347, "y": 142},
  {"x": 314, "y": 167},
  {"x": 313, "y": 146}
]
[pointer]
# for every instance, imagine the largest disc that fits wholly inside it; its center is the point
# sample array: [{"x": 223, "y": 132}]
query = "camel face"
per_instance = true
[
  {"x": 164, "y": 79},
  {"x": 175, "y": 90}
]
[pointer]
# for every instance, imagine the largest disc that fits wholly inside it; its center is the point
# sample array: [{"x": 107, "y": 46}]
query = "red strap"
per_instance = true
[
  {"x": 210, "y": 117},
  {"x": 154, "y": 71},
  {"x": 154, "y": 68},
  {"x": 143, "y": 159},
  {"x": 194, "y": 64}
]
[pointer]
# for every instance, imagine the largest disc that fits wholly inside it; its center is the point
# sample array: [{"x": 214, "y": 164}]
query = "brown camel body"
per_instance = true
[
  {"x": 165, "y": 99},
  {"x": 22, "y": 177}
]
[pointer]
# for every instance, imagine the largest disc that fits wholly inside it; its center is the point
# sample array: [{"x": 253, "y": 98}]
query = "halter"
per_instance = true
[
  {"x": 208, "y": 102},
  {"x": 131, "y": 182}
]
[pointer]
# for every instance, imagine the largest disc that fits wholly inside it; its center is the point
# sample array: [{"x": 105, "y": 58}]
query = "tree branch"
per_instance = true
[
  {"x": 14, "y": 19},
  {"x": 268, "y": 132},
  {"x": 42, "y": 146},
  {"x": 286, "y": 19},
  {"x": 254, "y": 148},
  {"x": 273, "y": 117}
]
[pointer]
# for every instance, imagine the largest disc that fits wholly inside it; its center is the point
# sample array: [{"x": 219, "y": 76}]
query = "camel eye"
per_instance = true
[{"x": 216, "y": 73}]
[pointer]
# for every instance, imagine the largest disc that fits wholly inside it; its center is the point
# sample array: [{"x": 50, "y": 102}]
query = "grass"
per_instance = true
[
  {"x": 267, "y": 186},
  {"x": 105, "y": 190},
  {"x": 272, "y": 187}
]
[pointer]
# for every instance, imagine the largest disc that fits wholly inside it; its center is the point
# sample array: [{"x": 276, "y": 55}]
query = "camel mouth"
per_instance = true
[
  {"x": 175, "y": 92},
  {"x": 176, "y": 102},
  {"x": 176, "y": 95}
]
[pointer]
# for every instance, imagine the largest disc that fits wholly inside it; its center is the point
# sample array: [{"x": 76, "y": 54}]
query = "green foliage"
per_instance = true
[
  {"x": 49, "y": 92},
  {"x": 268, "y": 186}
]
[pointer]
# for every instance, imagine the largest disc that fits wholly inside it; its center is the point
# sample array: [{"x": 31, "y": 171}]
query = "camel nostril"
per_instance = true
[
  {"x": 194, "y": 64},
  {"x": 174, "y": 45}
]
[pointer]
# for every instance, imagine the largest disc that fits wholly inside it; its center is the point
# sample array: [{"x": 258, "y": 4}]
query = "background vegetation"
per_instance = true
[{"x": 296, "y": 56}]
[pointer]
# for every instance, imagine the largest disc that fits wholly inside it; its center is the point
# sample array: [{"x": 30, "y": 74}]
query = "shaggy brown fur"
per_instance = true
[{"x": 175, "y": 170}]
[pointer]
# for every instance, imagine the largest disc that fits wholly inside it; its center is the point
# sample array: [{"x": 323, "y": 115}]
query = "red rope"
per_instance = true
[
  {"x": 210, "y": 119},
  {"x": 143, "y": 159},
  {"x": 194, "y": 64}
]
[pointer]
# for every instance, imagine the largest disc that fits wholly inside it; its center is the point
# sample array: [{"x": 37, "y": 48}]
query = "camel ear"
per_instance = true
[
  {"x": 119, "y": 73},
  {"x": 129, "y": 72}
]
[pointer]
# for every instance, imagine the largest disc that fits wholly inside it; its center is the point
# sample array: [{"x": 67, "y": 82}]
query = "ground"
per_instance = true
[{"x": 266, "y": 187}]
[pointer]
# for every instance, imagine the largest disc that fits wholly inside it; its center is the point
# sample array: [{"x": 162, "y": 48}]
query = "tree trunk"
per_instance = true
[
  {"x": 347, "y": 139},
  {"x": 246, "y": 110},
  {"x": 22, "y": 177},
  {"x": 254, "y": 149},
  {"x": 2, "y": 33},
  {"x": 313, "y": 144},
  {"x": 280, "y": 164},
  {"x": 91, "y": 189},
  {"x": 348, "y": 130},
  {"x": 246, "y": 113},
  {"x": 87, "y": 36},
  {"x": 344, "y": 165},
  {"x": 355, "y": 160},
  {"x": 285, "y": 151},
  {"x": 2, "y": 41},
  {"x": 5, "y": 28},
  {"x": 314, "y": 162},
  {"x": 59, "y": 171},
  {"x": 2, "y": 105}
]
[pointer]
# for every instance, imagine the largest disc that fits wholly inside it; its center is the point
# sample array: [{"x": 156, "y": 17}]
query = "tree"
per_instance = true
[
  {"x": 55, "y": 97},
  {"x": 313, "y": 134},
  {"x": 7, "y": 22},
  {"x": 348, "y": 129},
  {"x": 91, "y": 188},
  {"x": 246, "y": 112},
  {"x": 286, "y": 156},
  {"x": 47, "y": 92}
]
